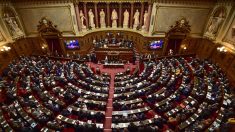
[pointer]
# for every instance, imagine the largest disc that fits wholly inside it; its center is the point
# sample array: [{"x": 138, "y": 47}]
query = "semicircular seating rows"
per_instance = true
[{"x": 170, "y": 94}]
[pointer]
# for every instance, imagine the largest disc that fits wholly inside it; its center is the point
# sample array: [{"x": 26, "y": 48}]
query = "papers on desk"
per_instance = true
[
  {"x": 89, "y": 121},
  {"x": 193, "y": 102},
  {"x": 69, "y": 109},
  {"x": 33, "y": 125},
  {"x": 59, "y": 117},
  {"x": 225, "y": 102},
  {"x": 182, "y": 105},
  {"x": 125, "y": 114},
  {"x": 187, "y": 122},
  {"x": 192, "y": 119},
  {"x": 199, "y": 110}
]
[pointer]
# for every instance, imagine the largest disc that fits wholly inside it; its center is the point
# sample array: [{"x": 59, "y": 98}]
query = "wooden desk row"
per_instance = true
[
  {"x": 4, "y": 123},
  {"x": 130, "y": 93},
  {"x": 52, "y": 98},
  {"x": 74, "y": 122},
  {"x": 91, "y": 101},
  {"x": 45, "y": 129},
  {"x": 218, "y": 120},
  {"x": 127, "y": 112},
  {"x": 137, "y": 100},
  {"x": 137, "y": 123},
  {"x": 94, "y": 86},
  {"x": 189, "y": 100},
  {"x": 194, "y": 117},
  {"x": 74, "y": 108},
  {"x": 113, "y": 65},
  {"x": 24, "y": 115},
  {"x": 87, "y": 92},
  {"x": 42, "y": 108}
]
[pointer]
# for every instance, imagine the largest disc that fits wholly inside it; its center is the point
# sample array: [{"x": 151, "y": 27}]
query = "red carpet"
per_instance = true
[{"x": 112, "y": 72}]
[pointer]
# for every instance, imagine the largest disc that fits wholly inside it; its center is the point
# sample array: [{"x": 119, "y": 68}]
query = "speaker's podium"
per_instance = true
[
  {"x": 112, "y": 60},
  {"x": 114, "y": 53},
  {"x": 113, "y": 56}
]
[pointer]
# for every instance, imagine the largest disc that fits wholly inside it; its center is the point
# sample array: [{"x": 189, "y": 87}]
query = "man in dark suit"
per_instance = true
[{"x": 132, "y": 127}]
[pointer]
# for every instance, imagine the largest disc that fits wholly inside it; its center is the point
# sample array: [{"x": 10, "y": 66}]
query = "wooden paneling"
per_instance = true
[
  {"x": 21, "y": 47},
  {"x": 140, "y": 42},
  {"x": 203, "y": 48},
  {"x": 208, "y": 50}
]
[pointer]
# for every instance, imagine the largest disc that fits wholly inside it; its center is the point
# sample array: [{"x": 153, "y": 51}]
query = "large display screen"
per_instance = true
[
  {"x": 71, "y": 44},
  {"x": 156, "y": 44}
]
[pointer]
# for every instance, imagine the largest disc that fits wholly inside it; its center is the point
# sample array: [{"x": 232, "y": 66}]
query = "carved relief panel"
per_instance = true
[{"x": 12, "y": 23}]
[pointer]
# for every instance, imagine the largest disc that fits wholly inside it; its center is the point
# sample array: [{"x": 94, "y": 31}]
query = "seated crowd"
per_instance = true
[
  {"x": 103, "y": 43},
  {"x": 41, "y": 93},
  {"x": 175, "y": 94}
]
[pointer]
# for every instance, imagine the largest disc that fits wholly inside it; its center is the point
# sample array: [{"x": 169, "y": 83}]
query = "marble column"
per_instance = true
[
  {"x": 142, "y": 14},
  {"x": 132, "y": 14},
  {"x": 96, "y": 16},
  {"x": 108, "y": 15},
  {"x": 120, "y": 14},
  {"x": 149, "y": 16},
  {"x": 78, "y": 17},
  {"x": 85, "y": 14}
]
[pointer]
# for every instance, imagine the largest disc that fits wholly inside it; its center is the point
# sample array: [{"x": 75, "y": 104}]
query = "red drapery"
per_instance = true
[
  {"x": 54, "y": 45},
  {"x": 173, "y": 44}
]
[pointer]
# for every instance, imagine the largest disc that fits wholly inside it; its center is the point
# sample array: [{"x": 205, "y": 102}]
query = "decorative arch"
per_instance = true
[
  {"x": 12, "y": 22},
  {"x": 46, "y": 28},
  {"x": 215, "y": 22},
  {"x": 220, "y": 11},
  {"x": 177, "y": 33},
  {"x": 51, "y": 36}
]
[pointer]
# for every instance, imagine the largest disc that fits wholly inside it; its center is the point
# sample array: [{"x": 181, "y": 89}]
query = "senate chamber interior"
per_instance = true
[{"x": 117, "y": 66}]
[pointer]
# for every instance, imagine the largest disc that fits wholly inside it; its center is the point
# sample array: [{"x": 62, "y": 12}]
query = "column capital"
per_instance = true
[
  {"x": 150, "y": 3},
  {"x": 76, "y": 1}
]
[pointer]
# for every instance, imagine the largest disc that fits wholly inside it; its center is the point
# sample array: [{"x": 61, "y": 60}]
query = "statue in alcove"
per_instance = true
[
  {"x": 136, "y": 19},
  {"x": 102, "y": 19},
  {"x": 145, "y": 20},
  {"x": 215, "y": 23},
  {"x": 13, "y": 26},
  {"x": 114, "y": 18},
  {"x": 82, "y": 17},
  {"x": 126, "y": 19},
  {"x": 91, "y": 19}
]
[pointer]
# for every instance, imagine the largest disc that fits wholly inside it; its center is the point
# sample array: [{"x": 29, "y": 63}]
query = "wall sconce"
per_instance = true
[
  {"x": 185, "y": 48},
  {"x": 44, "y": 46},
  {"x": 5, "y": 49},
  {"x": 222, "y": 49}
]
